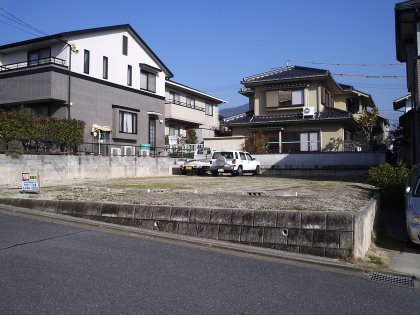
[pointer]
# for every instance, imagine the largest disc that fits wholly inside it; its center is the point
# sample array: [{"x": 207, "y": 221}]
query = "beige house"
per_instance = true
[
  {"x": 301, "y": 109},
  {"x": 188, "y": 108}
]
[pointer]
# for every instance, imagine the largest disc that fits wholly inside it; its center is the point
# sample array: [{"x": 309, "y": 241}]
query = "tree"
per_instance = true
[
  {"x": 256, "y": 142},
  {"x": 191, "y": 136},
  {"x": 368, "y": 121}
]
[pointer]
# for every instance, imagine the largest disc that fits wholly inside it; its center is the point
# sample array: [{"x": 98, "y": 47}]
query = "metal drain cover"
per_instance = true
[{"x": 401, "y": 280}]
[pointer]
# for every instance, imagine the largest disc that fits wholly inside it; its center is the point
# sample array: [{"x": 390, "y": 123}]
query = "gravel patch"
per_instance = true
[{"x": 245, "y": 192}]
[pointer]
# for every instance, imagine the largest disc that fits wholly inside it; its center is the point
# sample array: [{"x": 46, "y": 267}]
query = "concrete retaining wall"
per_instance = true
[
  {"x": 67, "y": 167},
  {"x": 321, "y": 160},
  {"x": 329, "y": 234}
]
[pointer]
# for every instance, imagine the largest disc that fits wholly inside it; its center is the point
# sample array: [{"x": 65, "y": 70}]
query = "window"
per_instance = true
[
  {"x": 147, "y": 81},
  {"x": 39, "y": 56},
  {"x": 174, "y": 98},
  {"x": 297, "y": 97},
  {"x": 309, "y": 141},
  {"x": 152, "y": 132},
  {"x": 174, "y": 130},
  {"x": 86, "y": 61},
  {"x": 284, "y": 98},
  {"x": 125, "y": 45},
  {"x": 352, "y": 105},
  {"x": 127, "y": 122},
  {"x": 190, "y": 102},
  {"x": 209, "y": 109},
  {"x": 105, "y": 67},
  {"x": 129, "y": 75}
]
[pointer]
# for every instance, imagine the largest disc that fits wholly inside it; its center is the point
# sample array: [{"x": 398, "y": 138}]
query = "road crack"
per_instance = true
[{"x": 41, "y": 240}]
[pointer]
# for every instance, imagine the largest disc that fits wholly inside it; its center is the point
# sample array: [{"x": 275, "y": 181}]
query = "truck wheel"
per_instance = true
[
  {"x": 214, "y": 173},
  {"x": 239, "y": 172},
  {"x": 257, "y": 170},
  {"x": 183, "y": 172}
]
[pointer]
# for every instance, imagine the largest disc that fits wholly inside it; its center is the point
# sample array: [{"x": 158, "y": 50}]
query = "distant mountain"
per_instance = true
[{"x": 227, "y": 112}]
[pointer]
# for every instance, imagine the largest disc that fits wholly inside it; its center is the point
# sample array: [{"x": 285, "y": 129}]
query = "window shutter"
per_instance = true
[
  {"x": 272, "y": 99},
  {"x": 322, "y": 95}
]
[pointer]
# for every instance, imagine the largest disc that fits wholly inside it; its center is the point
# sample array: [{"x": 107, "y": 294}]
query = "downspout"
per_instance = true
[{"x": 69, "y": 82}]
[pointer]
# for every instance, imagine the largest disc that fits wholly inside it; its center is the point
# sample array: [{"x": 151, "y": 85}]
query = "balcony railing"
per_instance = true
[
  {"x": 193, "y": 106},
  {"x": 33, "y": 63}
]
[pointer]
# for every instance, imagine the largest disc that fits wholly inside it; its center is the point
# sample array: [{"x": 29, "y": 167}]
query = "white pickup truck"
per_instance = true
[{"x": 201, "y": 162}]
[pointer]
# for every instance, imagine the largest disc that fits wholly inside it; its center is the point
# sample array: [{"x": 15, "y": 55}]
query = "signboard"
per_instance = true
[{"x": 30, "y": 182}]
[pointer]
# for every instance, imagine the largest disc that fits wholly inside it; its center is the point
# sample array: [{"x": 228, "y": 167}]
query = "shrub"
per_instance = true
[
  {"x": 391, "y": 179},
  {"x": 2, "y": 146},
  {"x": 14, "y": 148}
]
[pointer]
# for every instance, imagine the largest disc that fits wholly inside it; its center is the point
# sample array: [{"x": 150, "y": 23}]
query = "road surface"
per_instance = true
[{"x": 50, "y": 268}]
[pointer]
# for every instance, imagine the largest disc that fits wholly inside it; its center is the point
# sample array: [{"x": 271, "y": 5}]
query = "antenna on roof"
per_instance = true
[{"x": 287, "y": 63}]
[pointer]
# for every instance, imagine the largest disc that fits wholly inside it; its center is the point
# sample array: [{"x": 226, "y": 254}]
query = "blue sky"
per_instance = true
[{"x": 212, "y": 45}]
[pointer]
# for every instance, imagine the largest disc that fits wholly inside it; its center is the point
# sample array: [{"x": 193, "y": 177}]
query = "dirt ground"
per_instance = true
[{"x": 245, "y": 192}]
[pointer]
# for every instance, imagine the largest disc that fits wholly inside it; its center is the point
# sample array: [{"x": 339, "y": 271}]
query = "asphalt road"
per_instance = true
[{"x": 49, "y": 268}]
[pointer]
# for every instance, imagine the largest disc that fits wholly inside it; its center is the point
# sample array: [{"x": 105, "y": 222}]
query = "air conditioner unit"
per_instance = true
[
  {"x": 128, "y": 150},
  {"x": 308, "y": 111},
  {"x": 115, "y": 151}
]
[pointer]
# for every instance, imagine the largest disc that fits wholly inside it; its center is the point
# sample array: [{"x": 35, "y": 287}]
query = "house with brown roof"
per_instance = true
[{"x": 302, "y": 109}]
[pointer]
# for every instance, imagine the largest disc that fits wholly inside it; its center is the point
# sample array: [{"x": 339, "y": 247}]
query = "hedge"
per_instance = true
[{"x": 14, "y": 126}]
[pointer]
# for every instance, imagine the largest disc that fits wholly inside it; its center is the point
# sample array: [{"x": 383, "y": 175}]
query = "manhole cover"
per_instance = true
[{"x": 401, "y": 280}]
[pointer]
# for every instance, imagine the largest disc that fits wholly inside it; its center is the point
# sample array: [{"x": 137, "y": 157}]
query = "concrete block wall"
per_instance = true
[
  {"x": 53, "y": 168},
  {"x": 329, "y": 234}
]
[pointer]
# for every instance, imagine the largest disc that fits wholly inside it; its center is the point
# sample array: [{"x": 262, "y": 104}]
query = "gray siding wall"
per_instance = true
[{"x": 91, "y": 102}]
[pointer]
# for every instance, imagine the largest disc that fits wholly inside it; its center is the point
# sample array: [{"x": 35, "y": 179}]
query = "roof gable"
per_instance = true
[{"x": 65, "y": 35}]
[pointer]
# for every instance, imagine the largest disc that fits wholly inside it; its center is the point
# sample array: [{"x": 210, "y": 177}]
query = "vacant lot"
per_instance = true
[{"x": 246, "y": 192}]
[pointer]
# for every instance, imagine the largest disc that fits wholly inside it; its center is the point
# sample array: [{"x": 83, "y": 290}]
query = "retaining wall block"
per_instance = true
[
  {"x": 180, "y": 214},
  {"x": 288, "y": 248},
  {"x": 346, "y": 240},
  {"x": 242, "y": 217},
  {"x": 144, "y": 224},
  {"x": 70, "y": 207},
  {"x": 265, "y": 218},
  {"x": 210, "y": 231},
  {"x": 126, "y": 211},
  {"x": 312, "y": 251},
  {"x": 300, "y": 237},
  {"x": 326, "y": 239},
  {"x": 50, "y": 205},
  {"x": 170, "y": 227},
  {"x": 252, "y": 234},
  {"x": 229, "y": 233},
  {"x": 161, "y": 213},
  {"x": 143, "y": 212},
  {"x": 274, "y": 236},
  {"x": 109, "y": 208},
  {"x": 27, "y": 203},
  {"x": 93, "y": 208},
  {"x": 337, "y": 253},
  {"x": 189, "y": 229},
  {"x": 339, "y": 222},
  {"x": 221, "y": 216},
  {"x": 288, "y": 219},
  {"x": 314, "y": 221},
  {"x": 200, "y": 215}
]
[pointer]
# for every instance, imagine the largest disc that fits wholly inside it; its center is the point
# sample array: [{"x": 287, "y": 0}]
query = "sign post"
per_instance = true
[{"x": 30, "y": 182}]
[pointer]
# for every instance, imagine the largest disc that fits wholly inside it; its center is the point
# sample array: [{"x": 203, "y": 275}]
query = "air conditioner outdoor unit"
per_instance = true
[
  {"x": 129, "y": 150},
  {"x": 308, "y": 111},
  {"x": 115, "y": 151}
]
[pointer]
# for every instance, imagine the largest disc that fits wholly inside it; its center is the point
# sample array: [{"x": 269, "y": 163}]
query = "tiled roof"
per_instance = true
[
  {"x": 248, "y": 118},
  {"x": 287, "y": 73},
  {"x": 346, "y": 87}
]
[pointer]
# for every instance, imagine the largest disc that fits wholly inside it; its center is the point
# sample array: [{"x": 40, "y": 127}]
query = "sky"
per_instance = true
[{"x": 212, "y": 45}]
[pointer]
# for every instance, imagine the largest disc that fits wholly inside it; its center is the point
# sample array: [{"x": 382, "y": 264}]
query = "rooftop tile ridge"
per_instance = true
[{"x": 267, "y": 73}]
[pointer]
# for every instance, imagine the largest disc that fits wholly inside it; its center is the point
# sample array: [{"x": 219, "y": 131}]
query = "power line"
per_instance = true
[
  {"x": 16, "y": 20},
  {"x": 370, "y": 76},
  {"x": 350, "y": 64},
  {"x": 21, "y": 29}
]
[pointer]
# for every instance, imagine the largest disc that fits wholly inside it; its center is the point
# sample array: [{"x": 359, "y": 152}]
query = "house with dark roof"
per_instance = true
[
  {"x": 109, "y": 78},
  {"x": 301, "y": 109}
]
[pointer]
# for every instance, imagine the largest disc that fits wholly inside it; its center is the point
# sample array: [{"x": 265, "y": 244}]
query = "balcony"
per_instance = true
[
  {"x": 33, "y": 63},
  {"x": 199, "y": 108}
]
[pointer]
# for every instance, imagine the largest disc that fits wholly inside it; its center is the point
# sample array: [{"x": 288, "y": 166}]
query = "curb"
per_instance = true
[{"x": 165, "y": 236}]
